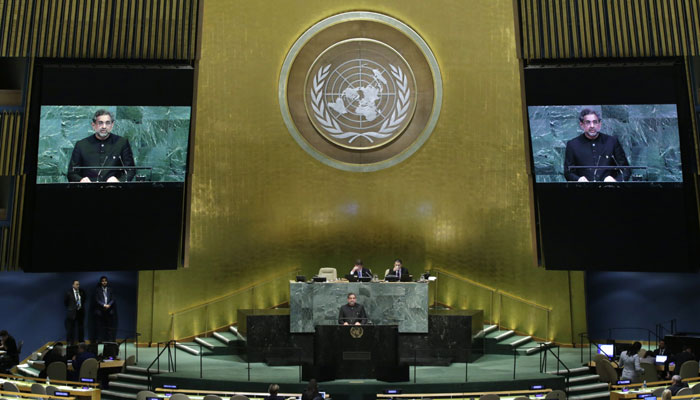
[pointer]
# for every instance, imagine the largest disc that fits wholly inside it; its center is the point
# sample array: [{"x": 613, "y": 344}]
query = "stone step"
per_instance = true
[
  {"x": 204, "y": 343},
  {"x": 129, "y": 377},
  {"x": 224, "y": 337},
  {"x": 589, "y": 387},
  {"x": 591, "y": 396},
  {"x": 143, "y": 370},
  {"x": 188, "y": 348},
  {"x": 500, "y": 335},
  {"x": 517, "y": 341},
  {"x": 115, "y": 394},
  {"x": 234, "y": 330},
  {"x": 537, "y": 347},
  {"x": 572, "y": 371},
  {"x": 128, "y": 386},
  {"x": 583, "y": 378},
  {"x": 487, "y": 329}
]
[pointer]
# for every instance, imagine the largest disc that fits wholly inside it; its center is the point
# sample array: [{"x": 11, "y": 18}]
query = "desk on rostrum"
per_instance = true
[{"x": 352, "y": 351}]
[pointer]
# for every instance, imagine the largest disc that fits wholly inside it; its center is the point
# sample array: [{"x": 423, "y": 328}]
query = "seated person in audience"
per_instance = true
[
  {"x": 311, "y": 392},
  {"x": 398, "y": 269},
  {"x": 677, "y": 384},
  {"x": 11, "y": 356},
  {"x": 629, "y": 360},
  {"x": 57, "y": 353},
  {"x": 78, "y": 359},
  {"x": 352, "y": 313},
  {"x": 360, "y": 271},
  {"x": 273, "y": 390},
  {"x": 666, "y": 395},
  {"x": 647, "y": 357},
  {"x": 662, "y": 350},
  {"x": 678, "y": 360}
]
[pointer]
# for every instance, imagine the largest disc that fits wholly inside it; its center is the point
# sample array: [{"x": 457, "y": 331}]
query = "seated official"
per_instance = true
[
  {"x": 678, "y": 360},
  {"x": 11, "y": 356},
  {"x": 398, "y": 269},
  {"x": 596, "y": 150},
  {"x": 103, "y": 149},
  {"x": 662, "y": 350},
  {"x": 352, "y": 313},
  {"x": 677, "y": 384},
  {"x": 58, "y": 353},
  {"x": 78, "y": 360},
  {"x": 360, "y": 271}
]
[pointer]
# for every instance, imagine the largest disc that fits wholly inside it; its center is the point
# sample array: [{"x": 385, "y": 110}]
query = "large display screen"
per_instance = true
[
  {"x": 112, "y": 144},
  {"x": 609, "y": 143}
]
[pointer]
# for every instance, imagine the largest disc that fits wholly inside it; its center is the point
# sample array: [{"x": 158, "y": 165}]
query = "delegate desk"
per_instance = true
[
  {"x": 367, "y": 351},
  {"x": 83, "y": 391},
  {"x": 636, "y": 390},
  {"x": 387, "y": 303}
]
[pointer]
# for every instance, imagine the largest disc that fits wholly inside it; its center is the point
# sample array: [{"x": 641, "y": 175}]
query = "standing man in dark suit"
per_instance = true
[
  {"x": 74, "y": 300},
  {"x": 104, "y": 311},
  {"x": 360, "y": 271}
]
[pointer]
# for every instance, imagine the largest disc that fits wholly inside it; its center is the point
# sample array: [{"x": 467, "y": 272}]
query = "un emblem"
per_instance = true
[
  {"x": 360, "y": 94},
  {"x": 352, "y": 100},
  {"x": 356, "y": 332}
]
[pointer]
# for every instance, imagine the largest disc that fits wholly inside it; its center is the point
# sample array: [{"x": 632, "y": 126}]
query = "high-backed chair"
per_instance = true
[
  {"x": 211, "y": 397},
  {"x": 57, "y": 370},
  {"x": 556, "y": 394},
  {"x": 38, "y": 388},
  {"x": 238, "y": 397},
  {"x": 689, "y": 369},
  {"x": 331, "y": 274},
  {"x": 604, "y": 369},
  {"x": 89, "y": 369},
  {"x": 490, "y": 396},
  {"x": 50, "y": 390},
  {"x": 650, "y": 373},
  {"x": 658, "y": 391},
  {"x": 695, "y": 389},
  {"x": 10, "y": 387},
  {"x": 683, "y": 392},
  {"x": 144, "y": 394},
  {"x": 179, "y": 396}
]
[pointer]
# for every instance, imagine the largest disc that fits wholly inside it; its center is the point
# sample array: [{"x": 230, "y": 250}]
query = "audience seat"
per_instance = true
[
  {"x": 89, "y": 369},
  {"x": 556, "y": 394},
  {"x": 604, "y": 369},
  {"x": 689, "y": 369},
  {"x": 57, "y": 370},
  {"x": 490, "y": 396},
  {"x": 179, "y": 396},
  {"x": 683, "y": 392},
  {"x": 144, "y": 394},
  {"x": 650, "y": 373}
]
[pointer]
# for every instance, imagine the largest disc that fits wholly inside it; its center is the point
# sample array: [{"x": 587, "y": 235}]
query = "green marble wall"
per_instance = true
[
  {"x": 648, "y": 134},
  {"x": 158, "y": 137}
]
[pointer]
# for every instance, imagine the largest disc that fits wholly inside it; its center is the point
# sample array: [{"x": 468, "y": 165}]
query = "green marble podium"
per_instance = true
[{"x": 387, "y": 303}]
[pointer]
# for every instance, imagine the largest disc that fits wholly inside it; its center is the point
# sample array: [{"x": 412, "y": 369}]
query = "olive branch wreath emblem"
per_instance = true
[{"x": 324, "y": 118}]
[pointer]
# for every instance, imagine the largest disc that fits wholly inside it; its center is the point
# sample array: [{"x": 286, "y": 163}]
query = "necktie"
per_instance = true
[
  {"x": 77, "y": 299},
  {"x": 398, "y": 273}
]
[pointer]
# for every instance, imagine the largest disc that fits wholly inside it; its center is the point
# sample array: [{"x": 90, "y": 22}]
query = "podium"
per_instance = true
[{"x": 348, "y": 352}]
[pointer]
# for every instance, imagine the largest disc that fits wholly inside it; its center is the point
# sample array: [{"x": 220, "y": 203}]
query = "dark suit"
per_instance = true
[
  {"x": 678, "y": 360},
  {"x": 93, "y": 152},
  {"x": 675, "y": 388},
  {"x": 75, "y": 315},
  {"x": 364, "y": 272},
  {"x": 404, "y": 271},
  {"x": 601, "y": 152},
  {"x": 12, "y": 357},
  {"x": 104, "y": 318},
  {"x": 53, "y": 355},
  {"x": 352, "y": 314}
]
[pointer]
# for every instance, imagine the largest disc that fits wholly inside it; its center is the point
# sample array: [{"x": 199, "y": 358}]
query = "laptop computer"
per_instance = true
[
  {"x": 351, "y": 278},
  {"x": 406, "y": 278},
  {"x": 660, "y": 360}
]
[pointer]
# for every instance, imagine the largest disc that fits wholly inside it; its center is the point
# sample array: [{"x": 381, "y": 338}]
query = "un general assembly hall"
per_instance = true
[{"x": 349, "y": 199}]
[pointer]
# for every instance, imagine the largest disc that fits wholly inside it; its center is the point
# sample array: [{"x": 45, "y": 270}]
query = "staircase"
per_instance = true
[
  {"x": 506, "y": 342},
  {"x": 583, "y": 385},
  {"x": 127, "y": 384}
]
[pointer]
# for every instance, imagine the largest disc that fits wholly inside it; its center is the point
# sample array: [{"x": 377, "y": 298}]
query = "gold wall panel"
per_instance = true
[
  {"x": 262, "y": 206},
  {"x": 558, "y": 29}
]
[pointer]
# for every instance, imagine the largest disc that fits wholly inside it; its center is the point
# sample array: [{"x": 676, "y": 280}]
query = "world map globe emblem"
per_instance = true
[{"x": 360, "y": 94}]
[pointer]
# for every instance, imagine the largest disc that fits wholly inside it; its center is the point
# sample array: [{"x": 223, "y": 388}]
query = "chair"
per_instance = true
[
  {"x": 38, "y": 388},
  {"x": 556, "y": 394},
  {"x": 144, "y": 394},
  {"x": 131, "y": 360},
  {"x": 57, "y": 370},
  {"x": 521, "y": 398},
  {"x": 658, "y": 391},
  {"x": 10, "y": 387},
  {"x": 689, "y": 369},
  {"x": 683, "y": 392},
  {"x": 50, "y": 390},
  {"x": 89, "y": 369},
  {"x": 695, "y": 389},
  {"x": 331, "y": 274},
  {"x": 605, "y": 370},
  {"x": 650, "y": 373},
  {"x": 238, "y": 397},
  {"x": 490, "y": 396},
  {"x": 211, "y": 397},
  {"x": 179, "y": 396}
]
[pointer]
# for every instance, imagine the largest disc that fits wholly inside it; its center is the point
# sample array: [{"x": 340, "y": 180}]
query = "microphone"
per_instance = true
[
  {"x": 126, "y": 174},
  {"x": 595, "y": 171},
  {"x": 622, "y": 174},
  {"x": 101, "y": 166}
]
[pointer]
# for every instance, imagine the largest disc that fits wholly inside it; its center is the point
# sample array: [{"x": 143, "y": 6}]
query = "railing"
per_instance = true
[
  {"x": 133, "y": 336},
  {"x": 521, "y": 315},
  {"x": 547, "y": 347},
  {"x": 221, "y": 311},
  {"x": 172, "y": 360},
  {"x": 661, "y": 328},
  {"x": 650, "y": 335}
]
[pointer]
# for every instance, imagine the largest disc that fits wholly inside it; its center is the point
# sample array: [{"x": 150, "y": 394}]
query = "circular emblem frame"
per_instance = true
[{"x": 351, "y": 100}]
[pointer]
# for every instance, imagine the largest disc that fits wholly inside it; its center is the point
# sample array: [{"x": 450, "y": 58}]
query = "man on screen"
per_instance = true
[
  {"x": 103, "y": 149},
  {"x": 594, "y": 149}
]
